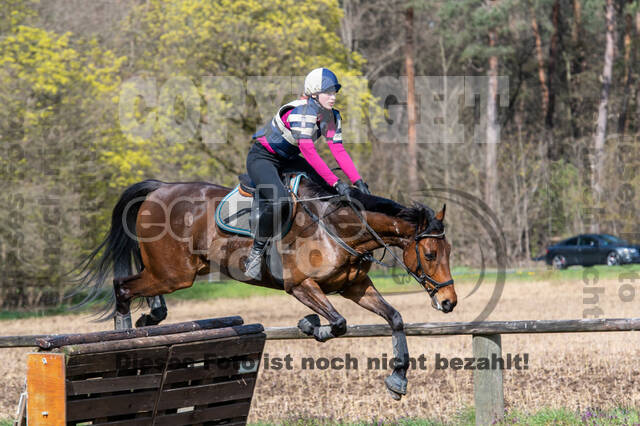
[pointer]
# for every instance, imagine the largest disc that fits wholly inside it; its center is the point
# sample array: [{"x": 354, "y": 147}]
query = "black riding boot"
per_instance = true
[{"x": 263, "y": 232}]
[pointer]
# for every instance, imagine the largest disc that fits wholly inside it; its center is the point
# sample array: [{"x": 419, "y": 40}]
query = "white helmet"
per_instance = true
[{"x": 320, "y": 80}]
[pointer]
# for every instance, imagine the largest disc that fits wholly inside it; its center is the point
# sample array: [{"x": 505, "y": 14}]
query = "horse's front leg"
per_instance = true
[
  {"x": 366, "y": 295},
  {"x": 310, "y": 293}
]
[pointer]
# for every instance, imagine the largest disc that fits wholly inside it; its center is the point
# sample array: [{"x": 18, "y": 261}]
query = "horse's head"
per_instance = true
[{"x": 427, "y": 257}]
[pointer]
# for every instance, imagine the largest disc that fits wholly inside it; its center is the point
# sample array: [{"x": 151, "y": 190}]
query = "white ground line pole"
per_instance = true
[{"x": 488, "y": 392}]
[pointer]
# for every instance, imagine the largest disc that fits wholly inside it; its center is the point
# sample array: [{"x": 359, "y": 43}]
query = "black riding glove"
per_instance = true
[
  {"x": 363, "y": 187},
  {"x": 342, "y": 189}
]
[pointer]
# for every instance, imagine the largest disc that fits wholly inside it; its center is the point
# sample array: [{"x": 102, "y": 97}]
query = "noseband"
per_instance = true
[{"x": 424, "y": 277}]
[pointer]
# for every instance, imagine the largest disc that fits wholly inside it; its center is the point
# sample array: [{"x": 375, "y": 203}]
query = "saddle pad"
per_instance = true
[{"x": 233, "y": 213}]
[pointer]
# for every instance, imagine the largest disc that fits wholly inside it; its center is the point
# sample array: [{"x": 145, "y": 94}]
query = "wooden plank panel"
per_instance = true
[
  {"x": 222, "y": 412},
  {"x": 113, "y": 384},
  {"x": 210, "y": 371},
  {"x": 46, "y": 394},
  {"x": 140, "y": 421},
  {"x": 48, "y": 342},
  {"x": 118, "y": 360},
  {"x": 206, "y": 394},
  {"x": 112, "y": 405},
  {"x": 237, "y": 346}
]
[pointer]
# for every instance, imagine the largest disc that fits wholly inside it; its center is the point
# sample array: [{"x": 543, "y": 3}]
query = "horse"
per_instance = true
[{"x": 166, "y": 232}]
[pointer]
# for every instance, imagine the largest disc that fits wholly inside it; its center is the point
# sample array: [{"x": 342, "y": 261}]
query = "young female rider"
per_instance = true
[{"x": 287, "y": 144}]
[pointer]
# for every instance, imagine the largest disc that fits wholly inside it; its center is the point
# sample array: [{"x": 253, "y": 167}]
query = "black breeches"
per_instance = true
[{"x": 272, "y": 196}]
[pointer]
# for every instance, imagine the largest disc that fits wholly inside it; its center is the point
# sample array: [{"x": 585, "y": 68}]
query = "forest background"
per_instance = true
[{"x": 523, "y": 113}]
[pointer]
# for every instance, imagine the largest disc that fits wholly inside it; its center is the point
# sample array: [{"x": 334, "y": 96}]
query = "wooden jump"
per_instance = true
[
  {"x": 188, "y": 373},
  {"x": 83, "y": 368}
]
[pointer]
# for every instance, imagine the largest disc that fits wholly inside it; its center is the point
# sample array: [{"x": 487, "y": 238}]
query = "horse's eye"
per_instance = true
[{"x": 430, "y": 256}]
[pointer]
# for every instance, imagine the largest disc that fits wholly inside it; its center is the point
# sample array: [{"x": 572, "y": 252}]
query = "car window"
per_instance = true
[
  {"x": 588, "y": 241},
  {"x": 610, "y": 239},
  {"x": 571, "y": 242}
]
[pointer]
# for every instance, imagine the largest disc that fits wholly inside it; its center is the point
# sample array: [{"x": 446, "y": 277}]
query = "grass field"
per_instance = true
[{"x": 569, "y": 375}]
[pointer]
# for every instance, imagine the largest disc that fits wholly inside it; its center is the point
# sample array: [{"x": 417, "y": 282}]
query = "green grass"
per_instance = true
[{"x": 466, "y": 417}]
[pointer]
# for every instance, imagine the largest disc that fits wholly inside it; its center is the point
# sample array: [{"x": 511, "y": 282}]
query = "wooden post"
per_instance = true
[
  {"x": 487, "y": 384},
  {"x": 46, "y": 390}
]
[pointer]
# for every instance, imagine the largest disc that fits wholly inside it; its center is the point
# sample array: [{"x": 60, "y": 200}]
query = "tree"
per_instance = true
[{"x": 601, "y": 129}]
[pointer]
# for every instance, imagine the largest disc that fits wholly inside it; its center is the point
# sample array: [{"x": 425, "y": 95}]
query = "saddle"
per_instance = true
[{"x": 235, "y": 211}]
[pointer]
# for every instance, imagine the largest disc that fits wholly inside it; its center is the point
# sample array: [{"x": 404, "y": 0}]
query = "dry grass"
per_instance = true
[{"x": 565, "y": 370}]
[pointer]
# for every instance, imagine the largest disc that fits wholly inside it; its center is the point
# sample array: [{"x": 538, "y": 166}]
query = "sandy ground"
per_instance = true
[{"x": 577, "y": 370}]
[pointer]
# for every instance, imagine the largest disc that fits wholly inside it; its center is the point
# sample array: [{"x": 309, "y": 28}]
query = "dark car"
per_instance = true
[{"x": 592, "y": 249}]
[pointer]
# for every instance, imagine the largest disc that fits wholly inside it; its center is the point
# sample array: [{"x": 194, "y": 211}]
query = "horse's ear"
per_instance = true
[{"x": 440, "y": 215}]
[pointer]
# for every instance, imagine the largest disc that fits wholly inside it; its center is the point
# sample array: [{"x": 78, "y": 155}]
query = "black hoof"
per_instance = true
[
  {"x": 396, "y": 383},
  {"x": 308, "y": 324},
  {"x": 394, "y": 395},
  {"x": 146, "y": 320}
]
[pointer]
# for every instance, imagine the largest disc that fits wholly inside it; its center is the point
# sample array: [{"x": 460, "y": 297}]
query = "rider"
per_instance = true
[{"x": 287, "y": 143}]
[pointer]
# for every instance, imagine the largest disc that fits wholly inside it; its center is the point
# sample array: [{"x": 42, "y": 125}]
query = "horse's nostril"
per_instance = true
[{"x": 447, "y": 305}]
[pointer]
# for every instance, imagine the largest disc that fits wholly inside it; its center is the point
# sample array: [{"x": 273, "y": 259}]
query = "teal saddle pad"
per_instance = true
[{"x": 233, "y": 213}]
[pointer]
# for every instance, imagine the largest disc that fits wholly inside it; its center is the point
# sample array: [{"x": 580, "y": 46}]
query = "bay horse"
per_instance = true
[{"x": 167, "y": 233}]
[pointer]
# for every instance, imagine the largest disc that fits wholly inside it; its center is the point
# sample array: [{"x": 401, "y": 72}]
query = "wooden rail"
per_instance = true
[
  {"x": 474, "y": 328},
  {"x": 488, "y": 389}
]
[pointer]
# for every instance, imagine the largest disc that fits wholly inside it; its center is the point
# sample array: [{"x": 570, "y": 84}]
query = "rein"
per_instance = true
[{"x": 368, "y": 256}]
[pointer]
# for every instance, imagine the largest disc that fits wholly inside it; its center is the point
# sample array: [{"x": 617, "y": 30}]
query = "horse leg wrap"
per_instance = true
[
  {"x": 122, "y": 322},
  {"x": 397, "y": 381},
  {"x": 400, "y": 350},
  {"x": 323, "y": 333},
  {"x": 308, "y": 324}
]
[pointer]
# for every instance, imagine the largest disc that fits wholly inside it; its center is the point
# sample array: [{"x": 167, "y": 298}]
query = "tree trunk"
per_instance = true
[
  {"x": 411, "y": 101},
  {"x": 493, "y": 131},
  {"x": 628, "y": 78},
  {"x": 601, "y": 129},
  {"x": 554, "y": 150},
  {"x": 542, "y": 75},
  {"x": 575, "y": 68},
  {"x": 637, "y": 59}
]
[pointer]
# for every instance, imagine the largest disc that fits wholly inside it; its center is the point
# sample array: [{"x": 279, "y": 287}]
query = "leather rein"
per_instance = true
[{"x": 367, "y": 256}]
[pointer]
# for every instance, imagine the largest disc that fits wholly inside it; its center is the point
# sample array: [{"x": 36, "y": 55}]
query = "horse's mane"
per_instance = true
[{"x": 421, "y": 216}]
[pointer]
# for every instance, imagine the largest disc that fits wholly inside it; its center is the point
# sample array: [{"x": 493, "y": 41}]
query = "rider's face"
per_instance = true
[{"x": 327, "y": 99}]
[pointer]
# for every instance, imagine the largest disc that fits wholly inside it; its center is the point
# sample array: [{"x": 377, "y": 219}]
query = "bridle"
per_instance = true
[
  {"x": 367, "y": 256},
  {"x": 424, "y": 277}
]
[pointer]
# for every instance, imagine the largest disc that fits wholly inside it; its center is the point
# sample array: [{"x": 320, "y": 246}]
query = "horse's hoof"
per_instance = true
[
  {"x": 145, "y": 320},
  {"x": 396, "y": 383},
  {"x": 394, "y": 395},
  {"x": 308, "y": 324}
]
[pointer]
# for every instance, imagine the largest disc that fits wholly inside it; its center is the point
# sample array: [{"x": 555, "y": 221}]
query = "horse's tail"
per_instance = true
[{"x": 120, "y": 248}]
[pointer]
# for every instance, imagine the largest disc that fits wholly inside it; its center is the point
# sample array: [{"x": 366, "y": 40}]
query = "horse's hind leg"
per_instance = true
[
  {"x": 366, "y": 295},
  {"x": 122, "y": 318},
  {"x": 156, "y": 315},
  {"x": 309, "y": 293}
]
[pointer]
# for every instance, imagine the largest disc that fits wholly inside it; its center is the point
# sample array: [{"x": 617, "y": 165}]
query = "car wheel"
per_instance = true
[
  {"x": 559, "y": 262},
  {"x": 613, "y": 259}
]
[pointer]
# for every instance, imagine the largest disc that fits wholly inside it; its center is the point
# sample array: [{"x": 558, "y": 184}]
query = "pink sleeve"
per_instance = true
[
  {"x": 310, "y": 154},
  {"x": 344, "y": 161}
]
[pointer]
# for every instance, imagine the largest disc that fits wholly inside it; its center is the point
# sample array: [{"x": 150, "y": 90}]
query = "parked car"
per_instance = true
[{"x": 592, "y": 249}]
